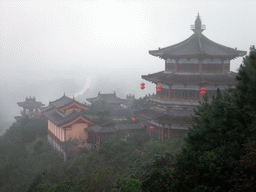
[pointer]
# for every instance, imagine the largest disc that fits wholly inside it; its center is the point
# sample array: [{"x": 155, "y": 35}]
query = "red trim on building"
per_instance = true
[
  {"x": 77, "y": 119},
  {"x": 73, "y": 104}
]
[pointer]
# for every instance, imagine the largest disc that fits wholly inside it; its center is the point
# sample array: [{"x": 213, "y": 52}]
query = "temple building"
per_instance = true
[
  {"x": 97, "y": 133},
  {"x": 30, "y": 108},
  {"x": 119, "y": 107},
  {"x": 193, "y": 67},
  {"x": 109, "y": 98},
  {"x": 67, "y": 123}
]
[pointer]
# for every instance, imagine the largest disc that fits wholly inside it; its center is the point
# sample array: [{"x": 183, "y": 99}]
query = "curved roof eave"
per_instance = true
[
  {"x": 159, "y": 52},
  {"x": 203, "y": 44}
]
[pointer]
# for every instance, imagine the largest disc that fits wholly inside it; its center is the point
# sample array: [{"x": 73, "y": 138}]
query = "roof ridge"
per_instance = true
[
  {"x": 60, "y": 99},
  {"x": 218, "y": 44},
  {"x": 200, "y": 44}
]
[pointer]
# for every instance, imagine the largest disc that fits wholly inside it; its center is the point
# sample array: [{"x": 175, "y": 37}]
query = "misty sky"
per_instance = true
[{"x": 51, "y": 47}]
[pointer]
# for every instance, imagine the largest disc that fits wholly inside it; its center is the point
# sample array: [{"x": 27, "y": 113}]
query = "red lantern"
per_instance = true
[
  {"x": 158, "y": 90},
  {"x": 203, "y": 89},
  {"x": 134, "y": 119},
  {"x": 159, "y": 87},
  {"x": 152, "y": 128},
  {"x": 202, "y": 92},
  {"x": 142, "y": 87},
  {"x": 142, "y": 84}
]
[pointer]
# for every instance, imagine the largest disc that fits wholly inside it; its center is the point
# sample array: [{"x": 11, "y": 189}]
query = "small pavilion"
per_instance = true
[{"x": 30, "y": 108}]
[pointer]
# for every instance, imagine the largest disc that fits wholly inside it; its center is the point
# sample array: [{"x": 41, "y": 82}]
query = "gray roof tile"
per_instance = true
[{"x": 197, "y": 44}]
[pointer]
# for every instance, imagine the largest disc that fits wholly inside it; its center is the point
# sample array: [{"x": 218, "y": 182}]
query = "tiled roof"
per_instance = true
[
  {"x": 195, "y": 45},
  {"x": 99, "y": 129},
  {"x": 109, "y": 98},
  {"x": 30, "y": 103},
  {"x": 170, "y": 117},
  {"x": 55, "y": 116},
  {"x": 18, "y": 118},
  {"x": 43, "y": 109},
  {"x": 129, "y": 126},
  {"x": 148, "y": 113},
  {"x": 227, "y": 78},
  {"x": 63, "y": 101}
]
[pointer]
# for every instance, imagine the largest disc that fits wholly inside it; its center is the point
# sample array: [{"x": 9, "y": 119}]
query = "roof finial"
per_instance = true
[
  {"x": 198, "y": 27},
  {"x": 64, "y": 94}
]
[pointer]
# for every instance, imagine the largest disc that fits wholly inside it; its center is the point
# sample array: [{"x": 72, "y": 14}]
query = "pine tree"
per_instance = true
[{"x": 245, "y": 92}]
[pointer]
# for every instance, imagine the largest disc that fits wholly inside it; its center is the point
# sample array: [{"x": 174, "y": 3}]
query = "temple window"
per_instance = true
[
  {"x": 211, "y": 68},
  {"x": 185, "y": 94},
  {"x": 188, "y": 68},
  {"x": 207, "y": 60},
  {"x": 217, "y": 60},
  {"x": 227, "y": 67},
  {"x": 170, "y": 65},
  {"x": 193, "y": 60}
]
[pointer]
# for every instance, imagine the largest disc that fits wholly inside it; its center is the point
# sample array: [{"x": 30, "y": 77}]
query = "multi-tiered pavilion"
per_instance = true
[{"x": 192, "y": 65}]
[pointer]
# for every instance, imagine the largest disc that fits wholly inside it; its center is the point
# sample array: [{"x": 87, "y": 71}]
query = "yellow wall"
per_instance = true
[
  {"x": 57, "y": 131},
  {"x": 76, "y": 131}
]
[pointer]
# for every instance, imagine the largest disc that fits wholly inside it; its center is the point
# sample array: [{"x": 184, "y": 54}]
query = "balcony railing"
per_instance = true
[
  {"x": 174, "y": 101},
  {"x": 193, "y": 27}
]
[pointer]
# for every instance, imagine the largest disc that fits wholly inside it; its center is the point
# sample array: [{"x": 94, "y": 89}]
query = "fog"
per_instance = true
[{"x": 48, "y": 48}]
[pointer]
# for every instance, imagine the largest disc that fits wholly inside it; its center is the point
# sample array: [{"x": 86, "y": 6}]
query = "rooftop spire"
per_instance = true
[{"x": 198, "y": 27}]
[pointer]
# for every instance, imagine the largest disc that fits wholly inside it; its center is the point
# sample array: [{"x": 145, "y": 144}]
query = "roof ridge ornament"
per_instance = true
[{"x": 198, "y": 28}]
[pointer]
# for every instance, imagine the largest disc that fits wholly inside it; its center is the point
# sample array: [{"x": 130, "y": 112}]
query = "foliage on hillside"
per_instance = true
[
  {"x": 101, "y": 169},
  {"x": 24, "y": 154}
]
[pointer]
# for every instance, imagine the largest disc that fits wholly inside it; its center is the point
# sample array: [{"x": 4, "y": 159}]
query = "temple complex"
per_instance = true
[
  {"x": 193, "y": 67},
  {"x": 30, "y": 108},
  {"x": 66, "y": 122}
]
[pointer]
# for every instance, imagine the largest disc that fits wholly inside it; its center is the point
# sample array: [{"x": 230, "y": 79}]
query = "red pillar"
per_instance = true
[
  {"x": 162, "y": 133},
  {"x": 159, "y": 133},
  {"x": 223, "y": 66},
  {"x": 148, "y": 129},
  {"x": 176, "y": 67}
]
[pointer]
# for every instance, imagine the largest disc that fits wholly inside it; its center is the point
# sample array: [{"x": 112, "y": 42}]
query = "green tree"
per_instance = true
[
  {"x": 213, "y": 146},
  {"x": 118, "y": 154},
  {"x": 245, "y": 92},
  {"x": 244, "y": 180}
]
